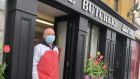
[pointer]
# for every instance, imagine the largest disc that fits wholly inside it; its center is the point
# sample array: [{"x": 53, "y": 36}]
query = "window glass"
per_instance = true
[
  {"x": 94, "y": 41},
  {"x": 91, "y": 42},
  {"x": 2, "y": 25}
]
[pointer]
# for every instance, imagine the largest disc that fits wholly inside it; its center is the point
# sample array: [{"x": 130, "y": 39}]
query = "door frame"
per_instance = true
[
  {"x": 71, "y": 47},
  {"x": 69, "y": 59}
]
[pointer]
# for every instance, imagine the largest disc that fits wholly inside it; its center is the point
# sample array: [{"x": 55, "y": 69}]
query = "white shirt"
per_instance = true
[{"x": 39, "y": 51}]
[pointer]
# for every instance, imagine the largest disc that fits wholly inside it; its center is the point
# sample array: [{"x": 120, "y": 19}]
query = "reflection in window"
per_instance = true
[
  {"x": 2, "y": 26},
  {"x": 92, "y": 42}
]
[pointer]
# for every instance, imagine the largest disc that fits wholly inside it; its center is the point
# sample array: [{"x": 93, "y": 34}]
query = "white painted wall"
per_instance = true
[{"x": 2, "y": 26}]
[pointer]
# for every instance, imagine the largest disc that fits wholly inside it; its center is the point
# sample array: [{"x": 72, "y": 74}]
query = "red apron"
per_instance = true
[{"x": 48, "y": 66}]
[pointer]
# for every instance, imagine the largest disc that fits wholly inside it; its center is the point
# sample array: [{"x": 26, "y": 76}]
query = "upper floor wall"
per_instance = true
[{"x": 121, "y": 7}]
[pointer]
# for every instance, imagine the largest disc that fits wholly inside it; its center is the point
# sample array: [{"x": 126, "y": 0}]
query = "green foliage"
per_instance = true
[
  {"x": 2, "y": 69},
  {"x": 89, "y": 68},
  {"x": 95, "y": 69}
]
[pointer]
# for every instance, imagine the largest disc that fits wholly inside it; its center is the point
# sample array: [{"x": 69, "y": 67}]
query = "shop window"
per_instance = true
[
  {"x": 92, "y": 41},
  {"x": 2, "y": 26}
]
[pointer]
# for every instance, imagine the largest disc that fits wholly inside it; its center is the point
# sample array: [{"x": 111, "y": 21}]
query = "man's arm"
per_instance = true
[{"x": 36, "y": 59}]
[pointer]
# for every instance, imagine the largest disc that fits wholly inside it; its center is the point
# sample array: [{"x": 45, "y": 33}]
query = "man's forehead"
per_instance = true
[{"x": 49, "y": 30}]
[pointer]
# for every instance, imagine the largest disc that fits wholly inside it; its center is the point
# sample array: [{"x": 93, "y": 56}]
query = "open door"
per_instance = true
[{"x": 65, "y": 34}]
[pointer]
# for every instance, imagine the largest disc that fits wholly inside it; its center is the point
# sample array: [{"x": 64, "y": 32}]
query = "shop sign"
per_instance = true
[
  {"x": 95, "y": 11},
  {"x": 90, "y": 9},
  {"x": 127, "y": 30},
  {"x": 99, "y": 13}
]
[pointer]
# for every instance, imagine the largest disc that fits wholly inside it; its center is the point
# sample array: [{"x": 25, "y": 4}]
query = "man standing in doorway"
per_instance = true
[{"x": 45, "y": 60}]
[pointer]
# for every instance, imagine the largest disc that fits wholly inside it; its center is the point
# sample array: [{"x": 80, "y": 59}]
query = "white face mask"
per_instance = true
[{"x": 50, "y": 39}]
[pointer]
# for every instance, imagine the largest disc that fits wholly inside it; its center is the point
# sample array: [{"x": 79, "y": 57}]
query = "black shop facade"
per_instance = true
[{"x": 82, "y": 27}]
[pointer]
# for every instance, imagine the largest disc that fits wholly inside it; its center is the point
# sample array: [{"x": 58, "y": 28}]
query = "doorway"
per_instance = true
[{"x": 48, "y": 16}]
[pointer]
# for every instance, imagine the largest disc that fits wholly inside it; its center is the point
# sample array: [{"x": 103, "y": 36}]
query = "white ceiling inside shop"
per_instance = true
[{"x": 47, "y": 12}]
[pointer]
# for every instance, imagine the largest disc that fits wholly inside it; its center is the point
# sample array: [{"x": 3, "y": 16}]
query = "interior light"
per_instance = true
[{"x": 44, "y": 22}]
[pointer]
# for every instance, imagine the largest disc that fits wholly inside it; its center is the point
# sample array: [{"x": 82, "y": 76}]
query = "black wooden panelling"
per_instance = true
[
  {"x": 80, "y": 55},
  {"x": 25, "y": 34},
  {"x": 109, "y": 56},
  {"x": 23, "y": 5},
  {"x": 24, "y": 47},
  {"x": 69, "y": 65},
  {"x": 71, "y": 46},
  {"x": 110, "y": 51},
  {"x": 122, "y": 58},
  {"x": 82, "y": 35},
  {"x": 20, "y": 28},
  {"x": 21, "y": 39},
  {"x": 102, "y": 39},
  {"x": 83, "y": 25},
  {"x": 127, "y": 59},
  {"x": 119, "y": 58},
  {"x": 9, "y": 32}
]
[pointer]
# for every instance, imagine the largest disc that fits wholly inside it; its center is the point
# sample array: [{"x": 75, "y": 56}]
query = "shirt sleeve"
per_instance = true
[
  {"x": 36, "y": 59},
  {"x": 57, "y": 50}
]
